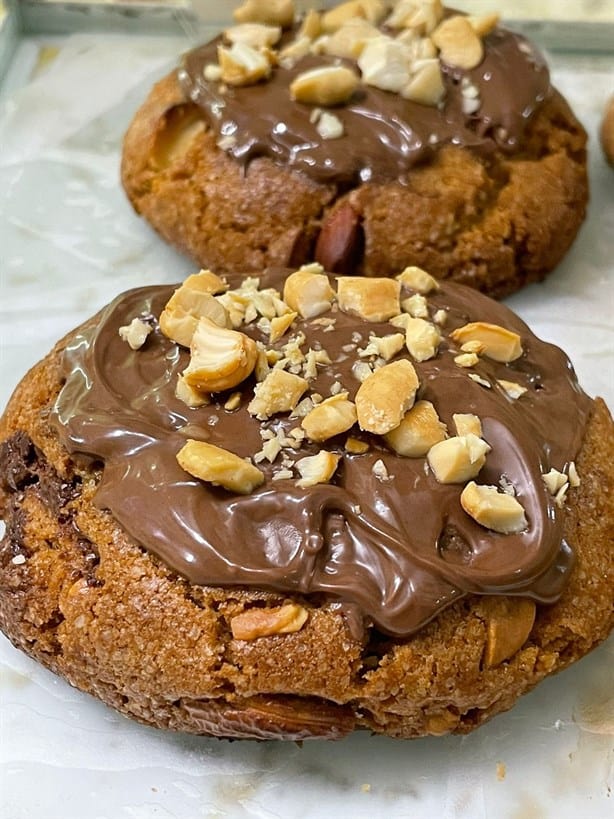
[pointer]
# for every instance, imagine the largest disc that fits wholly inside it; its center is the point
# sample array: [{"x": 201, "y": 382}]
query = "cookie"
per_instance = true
[
  {"x": 297, "y": 506},
  {"x": 371, "y": 142},
  {"x": 606, "y": 132}
]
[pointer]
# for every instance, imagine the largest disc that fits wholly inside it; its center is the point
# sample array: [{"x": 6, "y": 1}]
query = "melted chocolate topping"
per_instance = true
[
  {"x": 401, "y": 549},
  {"x": 384, "y": 134}
]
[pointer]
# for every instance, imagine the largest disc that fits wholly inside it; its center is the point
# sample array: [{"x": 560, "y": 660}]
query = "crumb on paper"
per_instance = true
[
  {"x": 501, "y": 771},
  {"x": 366, "y": 787}
]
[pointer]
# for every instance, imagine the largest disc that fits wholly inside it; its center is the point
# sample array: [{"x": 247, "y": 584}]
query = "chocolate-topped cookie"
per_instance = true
[
  {"x": 374, "y": 135},
  {"x": 297, "y": 505}
]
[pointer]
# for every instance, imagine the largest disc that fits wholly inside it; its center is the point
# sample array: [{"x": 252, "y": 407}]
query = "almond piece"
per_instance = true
[
  {"x": 326, "y": 86},
  {"x": 371, "y": 299},
  {"x": 422, "y": 338},
  {"x": 220, "y": 358},
  {"x": 384, "y": 397},
  {"x": 458, "y": 459},
  {"x": 315, "y": 469},
  {"x": 254, "y": 623},
  {"x": 308, "y": 291},
  {"x": 219, "y": 466},
  {"x": 419, "y": 430},
  {"x": 242, "y": 65},
  {"x": 510, "y": 620},
  {"x": 279, "y": 392},
  {"x": 493, "y": 509},
  {"x": 458, "y": 43},
  {"x": 418, "y": 279},
  {"x": 499, "y": 344},
  {"x": 268, "y": 12},
  {"x": 333, "y": 416},
  {"x": 467, "y": 423}
]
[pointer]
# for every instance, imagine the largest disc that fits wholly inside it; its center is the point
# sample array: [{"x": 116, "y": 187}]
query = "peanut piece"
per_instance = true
[
  {"x": 268, "y": 12},
  {"x": 135, "y": 333},
  {"x": 311, "y": 27},
  {"x": 308, "y": 291},
  {"x": 354, "y": 446},
  {"x": 422, "y": 338},
  {"x": 333, "y": 416},
  {"x": 492, "y": 509},
  {"x": 219, "y": 466},
  {"x": 499, "y": 343},
  {"x": 384, "y": 397},
  {"x": 458, "y": 459},
  {"x": 512, "y": 389},
  {"x": 419, "y": 430},
  {"x": 426, "y": 84},
  {"x": 467, "y": 423},
  {"x": 420, "y": 15},
  {"x": 384, "y": 64},
  {"x": 220, "y": 358},
  {"x": 254, "y": 623},
  {"x": 510, "y": 620},
  {"x": 350, "y": 39},
  {"x": 279, "y": 392},
  {"x": 192, "y": 301},
  {"x": 418, "y": 280},
  {"x": 458, "y": 42},
  {"x": 191, "y": 397},
  {"x": 242, "y": 65},
  {"x": 315, "y": 469},
  {"x": 255, "y": 35},
  {"x": 339, "y": 15},
  {"x": 326, "y": 86},
  {"x": 371, "y": 299},
  {"x": 484, "y": 23},
  {"x": 280, "y": 324}
]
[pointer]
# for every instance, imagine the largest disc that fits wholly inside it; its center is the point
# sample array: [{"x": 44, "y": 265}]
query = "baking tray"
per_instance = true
[{"x": 69, "y": 242}]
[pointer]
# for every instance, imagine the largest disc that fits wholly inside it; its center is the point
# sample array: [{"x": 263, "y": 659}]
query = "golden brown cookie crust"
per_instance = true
[
  {"x": 495, "y": 225},
  {"x": 83, "y": 599}
]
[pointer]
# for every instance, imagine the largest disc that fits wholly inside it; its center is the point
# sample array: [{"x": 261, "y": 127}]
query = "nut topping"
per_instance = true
[
  {"x": 327, "y": 86},
  {"x": 498, "y": 343},
  {"x": 510, "y": 621},
  {"x": 279, "y": 392},
  {"x": 418, "y": 280},
  {"x": 220, "y": 358},
  {"x": 316, "y": 469},
  {"x": 308, "y": 291},
  {"x": 458, "y": 43},
  {"x": 340, "y": 15},
  {"x": 135, "y": 333},
  {"x": 192, "y": 301},
  {"x": 254, "y": 35},
  {"x": 242, "y": 65},
  {"x": 268, "y": 12},
  {"x": 372, "y": 299},
  {"x": 467, "y": 423},
  {"x": 219, "y": 466},
  {"x": 333, "y": 416},
  {"x": 421, "y": 338},
  {"x": 493, "y": 509},
  {"x": 419, "y": 430},
  {"x": 458, "y": 459},
  {"x": 384, "y": 397},
  {"x": 254, "y": 623}
]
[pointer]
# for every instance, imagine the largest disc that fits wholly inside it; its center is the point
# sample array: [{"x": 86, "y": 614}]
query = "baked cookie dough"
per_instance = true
[
  {"x": 423, "y": 137},
  {"x": 298, "y": 507}
]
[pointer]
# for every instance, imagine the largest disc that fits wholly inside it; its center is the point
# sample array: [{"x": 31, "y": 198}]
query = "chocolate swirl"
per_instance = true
[
  {"x": 401, "y": 549},
  {"x": 384, "y": 134}
]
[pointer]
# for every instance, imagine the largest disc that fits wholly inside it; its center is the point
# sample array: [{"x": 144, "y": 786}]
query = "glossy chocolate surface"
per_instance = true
[
  {"x": 383, "y": 545},
  {"x": 384, "y": 134}
]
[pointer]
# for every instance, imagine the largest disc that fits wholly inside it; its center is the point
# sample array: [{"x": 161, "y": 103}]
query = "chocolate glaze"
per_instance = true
[
  {"x": 385, "y": 135},
  {"x": 400, "y": 549}
]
